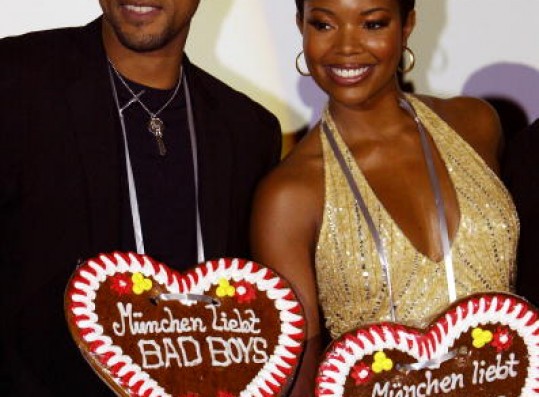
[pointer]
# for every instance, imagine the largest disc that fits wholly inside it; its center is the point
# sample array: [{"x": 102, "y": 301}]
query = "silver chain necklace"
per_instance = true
[
  {"x": 156, "y": 126},
  {"x": 133, "y": 200}
]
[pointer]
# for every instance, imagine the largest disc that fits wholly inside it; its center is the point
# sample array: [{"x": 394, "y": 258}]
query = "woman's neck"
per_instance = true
[{"x": 374, "y": 119}]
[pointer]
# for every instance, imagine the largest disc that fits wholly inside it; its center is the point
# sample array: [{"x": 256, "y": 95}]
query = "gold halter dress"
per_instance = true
[{"x": 350, "y": 279}]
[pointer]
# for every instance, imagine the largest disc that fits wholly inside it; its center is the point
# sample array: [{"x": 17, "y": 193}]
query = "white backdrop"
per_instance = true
[{"x": 486, "y": 48}]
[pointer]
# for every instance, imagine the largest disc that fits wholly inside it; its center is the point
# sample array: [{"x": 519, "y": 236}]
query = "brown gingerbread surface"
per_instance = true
[
  {"x": 240, "y": 331},
  {"x": 486, "y": 345}
]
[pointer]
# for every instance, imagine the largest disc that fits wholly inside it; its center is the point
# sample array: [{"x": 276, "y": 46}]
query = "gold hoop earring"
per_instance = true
[
  {"x": 411, "y": 62},
  {"x": 298, "y": 67}
]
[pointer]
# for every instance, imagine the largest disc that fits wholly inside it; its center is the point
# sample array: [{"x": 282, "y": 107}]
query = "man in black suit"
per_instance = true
[
  {"x": 110, "y": 139},
  {"x": 521, "y": 174}
]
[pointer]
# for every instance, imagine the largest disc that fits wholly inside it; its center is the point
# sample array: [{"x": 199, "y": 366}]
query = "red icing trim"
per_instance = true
[
  {"x": 523, "y": 311},
  {"x": 86, "y": 331},
  {"x": 289, "y": 360},
  {"x": 241, "y": 264},
  {"x": 295, "y": 309},
  {"x": 204, "y": 270},
  {"x": 275, "y": 388},
  {"x": 104, "y": 358},
  {"x": 156, "y": 267},
  {"x": 95, "y": 345},
  {"x": 115, "y": 369},
  {"x": 532, "y": 320},
  {"x": 295, "y": 350},
  {"x": 148, "y": 393},
  {"x": 265, "y": 393},
  {"x": 80, "y": 279},
  {"x": 284, "y": 370}
]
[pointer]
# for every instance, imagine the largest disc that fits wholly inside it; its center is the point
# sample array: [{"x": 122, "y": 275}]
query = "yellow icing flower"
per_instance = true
[
  {"x": 140, "y": 284},
  {"x": 481, "y": 337},
  {"x": 225, "y": 289},
  {"x": 381, "y": 363}
]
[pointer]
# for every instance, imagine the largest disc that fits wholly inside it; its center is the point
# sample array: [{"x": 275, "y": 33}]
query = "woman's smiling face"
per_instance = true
[{"x": 353, "y": 47}]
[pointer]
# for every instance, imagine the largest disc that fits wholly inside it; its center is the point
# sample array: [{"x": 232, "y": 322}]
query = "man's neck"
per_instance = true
[{"x": 157, "y": 69}]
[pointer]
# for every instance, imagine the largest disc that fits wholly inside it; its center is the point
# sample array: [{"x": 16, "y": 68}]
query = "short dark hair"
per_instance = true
[{"x": 406, "y": 6}]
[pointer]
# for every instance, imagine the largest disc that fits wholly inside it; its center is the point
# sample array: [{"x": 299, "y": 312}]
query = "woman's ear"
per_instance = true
[
  {"x": 408, "y": 26},
  {"x": 299, "y": 22}
]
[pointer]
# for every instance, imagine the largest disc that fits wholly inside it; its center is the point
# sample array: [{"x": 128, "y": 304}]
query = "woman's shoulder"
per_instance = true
[
  {"x": 300, "y": 169},
  {"x": 293, "y": 192},
  {"x": 298, "y": 177},
  {"x": 475, "y": 109},
  {"x": 475, "y": 120}
]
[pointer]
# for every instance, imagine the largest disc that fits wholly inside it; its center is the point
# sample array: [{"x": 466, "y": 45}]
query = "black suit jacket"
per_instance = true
[
  {"x": 521, "y": 175},
  {"x": 60, "y": 169}
]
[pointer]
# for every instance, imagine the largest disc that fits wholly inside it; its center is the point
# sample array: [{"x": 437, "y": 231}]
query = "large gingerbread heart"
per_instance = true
[
  {"x": 484, "y": 346},
  {"x": 227, "y": 328}
]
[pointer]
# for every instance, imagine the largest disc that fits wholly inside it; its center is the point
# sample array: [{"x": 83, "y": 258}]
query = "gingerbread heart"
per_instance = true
[
  {"x": 227, "y": 328},
  {"x": 484, "y": 346}
]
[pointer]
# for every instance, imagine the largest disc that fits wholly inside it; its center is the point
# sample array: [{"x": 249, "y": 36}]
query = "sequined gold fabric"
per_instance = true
[{"x": 350, "y": 279}]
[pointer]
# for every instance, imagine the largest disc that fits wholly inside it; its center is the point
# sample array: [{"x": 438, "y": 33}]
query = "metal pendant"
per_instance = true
[{"x": 156, "y": 127}]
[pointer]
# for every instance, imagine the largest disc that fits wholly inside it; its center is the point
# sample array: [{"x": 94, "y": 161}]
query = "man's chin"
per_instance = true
[{"x": 143, "y": 43}]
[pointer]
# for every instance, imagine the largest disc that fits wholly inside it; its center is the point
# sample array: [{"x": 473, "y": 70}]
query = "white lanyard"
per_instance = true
[{"x": 133, "y": 201}]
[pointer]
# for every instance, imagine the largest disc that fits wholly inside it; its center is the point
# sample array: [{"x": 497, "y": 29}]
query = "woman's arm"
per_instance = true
[{"x": 283, "y": 233}]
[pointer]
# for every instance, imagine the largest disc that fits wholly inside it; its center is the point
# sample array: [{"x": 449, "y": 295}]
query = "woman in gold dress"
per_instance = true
[{"x": 390, "y": 207}]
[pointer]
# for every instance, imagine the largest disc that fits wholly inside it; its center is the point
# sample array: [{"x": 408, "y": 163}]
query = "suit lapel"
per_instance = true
[
  {"x": 96, "y": 132},
  {"x": 214, "y": 147}
]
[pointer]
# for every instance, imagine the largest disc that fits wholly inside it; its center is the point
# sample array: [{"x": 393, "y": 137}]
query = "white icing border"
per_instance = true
[
  {"x": 84, "y": 283},
  {"x": 347, "y": 351}
]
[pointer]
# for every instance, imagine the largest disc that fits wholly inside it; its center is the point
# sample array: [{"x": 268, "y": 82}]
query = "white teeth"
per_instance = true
[
  {"x": 139, "y": 9},
  {"x": 349, "y": 73}
]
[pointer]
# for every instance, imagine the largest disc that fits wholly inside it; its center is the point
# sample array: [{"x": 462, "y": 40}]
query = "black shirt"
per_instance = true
[{"x": 164, "y": 184}]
